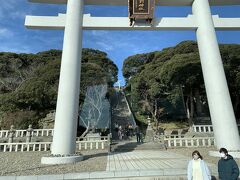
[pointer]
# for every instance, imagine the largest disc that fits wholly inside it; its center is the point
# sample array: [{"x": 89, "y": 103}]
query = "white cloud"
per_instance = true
[
  {"x": 105, "y": 46},
  {"x": 46, "y": 38},
  {"x": 99, "y": 33},
  {"x": 17, "y": 15},
  {"x": 15, "y": 48},
  {"x": 107, "y": 41},
  {"x": 9, "y": 4},
  {"x": 5, "y": 33},
  {"x": 10, "y": 9}
]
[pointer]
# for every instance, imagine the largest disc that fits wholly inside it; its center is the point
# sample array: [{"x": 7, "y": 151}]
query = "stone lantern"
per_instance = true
[
  {"x": 29, "y": 134},
  {"x": 149, "y": 132},
  {"x": 11, "y": 134}
]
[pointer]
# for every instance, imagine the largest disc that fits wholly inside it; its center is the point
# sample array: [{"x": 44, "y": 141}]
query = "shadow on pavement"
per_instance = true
[{"x": 86, "y": 157}]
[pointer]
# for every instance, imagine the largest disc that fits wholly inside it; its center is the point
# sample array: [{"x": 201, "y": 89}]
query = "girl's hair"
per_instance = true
[
  {"x": 225, "y": 151},
  {"x": 198, "y": 153}
]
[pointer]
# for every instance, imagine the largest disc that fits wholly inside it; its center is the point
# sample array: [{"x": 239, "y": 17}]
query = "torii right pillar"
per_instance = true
[{"x": 221, "y": 110}]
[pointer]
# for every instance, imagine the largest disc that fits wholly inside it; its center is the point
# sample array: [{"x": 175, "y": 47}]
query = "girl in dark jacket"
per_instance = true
[{"x": 227, "y": 166}]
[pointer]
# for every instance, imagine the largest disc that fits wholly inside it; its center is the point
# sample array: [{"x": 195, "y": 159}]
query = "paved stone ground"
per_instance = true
[
  {"x": 147, "y": 159},
  {"x": 136, "y": 164},
  {"x": 203, "y": 151},
  {"x": 151, "y": 160},
  {"x": 29, "y": 163}
]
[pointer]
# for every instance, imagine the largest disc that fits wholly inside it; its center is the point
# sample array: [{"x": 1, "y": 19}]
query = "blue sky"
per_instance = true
[{"x": 14, "y": 37}]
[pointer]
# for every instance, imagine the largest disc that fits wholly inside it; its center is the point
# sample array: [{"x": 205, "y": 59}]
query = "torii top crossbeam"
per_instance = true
[{"x": 158, "y": 2}]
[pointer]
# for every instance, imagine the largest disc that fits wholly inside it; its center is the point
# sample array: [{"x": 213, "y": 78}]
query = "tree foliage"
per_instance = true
[
  {"x": 169, "y": 84},
  {"x": 29, "y": 82}
]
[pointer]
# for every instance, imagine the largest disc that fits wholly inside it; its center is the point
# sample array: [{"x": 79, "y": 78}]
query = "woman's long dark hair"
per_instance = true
[{"x": 198, "y": 153}]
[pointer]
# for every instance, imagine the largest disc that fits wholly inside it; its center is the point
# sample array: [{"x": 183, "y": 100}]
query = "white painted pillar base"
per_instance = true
[
  {"x": 65, "y": 127},
  {"x": 221, "y": 110},
  {"x": 61, "y": 160}
]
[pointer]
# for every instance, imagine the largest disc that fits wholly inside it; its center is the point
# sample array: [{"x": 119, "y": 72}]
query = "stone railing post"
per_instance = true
[
  {"x": 11, "y": 134},
  {"x": 29, "y": 134},
  {"x": 109, "y": 141}
]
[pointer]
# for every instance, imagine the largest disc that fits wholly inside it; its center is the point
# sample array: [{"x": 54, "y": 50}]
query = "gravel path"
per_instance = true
[{"x": 29, "y": 163}]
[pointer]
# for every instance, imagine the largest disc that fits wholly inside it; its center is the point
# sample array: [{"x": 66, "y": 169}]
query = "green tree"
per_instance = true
[
  {"x": 29, "y": 82},
  {"x": 172, "y": 78},
  {"x": 184, "y": 70}
]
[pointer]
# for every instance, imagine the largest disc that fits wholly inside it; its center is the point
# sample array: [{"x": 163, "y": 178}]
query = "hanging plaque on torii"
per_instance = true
[{"x": 139, "y": 10}]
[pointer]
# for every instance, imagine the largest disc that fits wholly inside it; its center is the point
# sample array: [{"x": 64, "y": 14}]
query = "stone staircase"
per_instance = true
[
  {"x": 202, "y": 121},
  {"x": 123, "y": 146},
  {"x": 121, "y": 114}
]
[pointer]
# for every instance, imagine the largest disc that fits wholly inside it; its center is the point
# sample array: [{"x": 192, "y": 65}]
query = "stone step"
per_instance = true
[
  {"x": 202, "y": 121},
  {"x": 120, "y": 115},
  {"x": 154, "y": 178},
  {"x": 130, "y": 146}
]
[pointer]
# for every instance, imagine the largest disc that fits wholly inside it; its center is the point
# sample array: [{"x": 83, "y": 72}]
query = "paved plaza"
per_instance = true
[
  {"x": 137, "y": 164},
  {"x": 145, "y": 160},
  {"x": 150, "y": 163}
]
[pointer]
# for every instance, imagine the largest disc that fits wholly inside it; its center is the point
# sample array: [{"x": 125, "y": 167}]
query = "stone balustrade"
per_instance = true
[
  {"x": 173, "y": 136},
  {"x": 43, "y": 132},
  {"x": 90, "y": 145},
  {"x": 33, "y": 146},
  {"x": 45, "y": 146},
  {"x": 22, "y": 133},
  {"x": 4, "y": 133},
  {"x": 204, "y": 128},
  {"x": 39, "y": 133},
  {"x": 86, "y": 138},
  {"x": 189, "y": 142}
]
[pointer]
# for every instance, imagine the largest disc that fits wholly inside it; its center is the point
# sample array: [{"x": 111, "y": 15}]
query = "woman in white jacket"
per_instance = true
[{"x": 197, "y": 168}]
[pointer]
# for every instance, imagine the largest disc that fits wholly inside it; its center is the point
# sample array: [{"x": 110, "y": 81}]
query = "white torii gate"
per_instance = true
[{"x": 74, "y": 22}]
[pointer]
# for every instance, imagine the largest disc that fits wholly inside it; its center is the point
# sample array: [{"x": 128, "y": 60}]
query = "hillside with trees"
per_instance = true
[
  {"x": 168, "y": 85},
  {"x": 29, "y": 83}
]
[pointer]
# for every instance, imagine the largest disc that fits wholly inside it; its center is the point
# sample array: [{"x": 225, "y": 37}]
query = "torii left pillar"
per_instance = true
[{"x": 65, "y": 127}]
